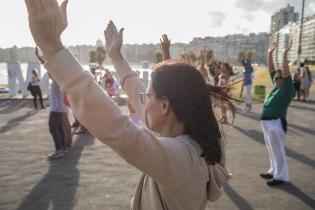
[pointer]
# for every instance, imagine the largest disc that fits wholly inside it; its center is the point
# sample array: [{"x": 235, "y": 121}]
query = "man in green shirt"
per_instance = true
[{"x": 273, "y": 119}]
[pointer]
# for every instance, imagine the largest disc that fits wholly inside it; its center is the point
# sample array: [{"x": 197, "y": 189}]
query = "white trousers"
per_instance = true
[
  {"x": 248, "y": 94},
  {"x": 274, "y": 138}
]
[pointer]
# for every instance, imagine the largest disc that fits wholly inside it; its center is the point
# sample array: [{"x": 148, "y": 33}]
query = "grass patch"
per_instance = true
[
  {"x": 262, "y": 77},
  {"x": 311, "y": 67},
  {"x": 2, "y": 95}
]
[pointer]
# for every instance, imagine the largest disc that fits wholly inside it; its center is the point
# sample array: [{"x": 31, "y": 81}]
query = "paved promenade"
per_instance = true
[{"x": 92, "y": 177}]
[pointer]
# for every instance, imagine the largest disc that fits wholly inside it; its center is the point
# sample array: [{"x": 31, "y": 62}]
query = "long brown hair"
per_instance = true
[{"x": 190, "y": 100}]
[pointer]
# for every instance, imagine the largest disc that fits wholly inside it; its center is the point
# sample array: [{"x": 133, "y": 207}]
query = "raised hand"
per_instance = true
[
  {"x": 271, "y": 66},
  {"x": 47, "y": 21},
  {"x": 288, "y": 47},
  {"x": 285, "y": 64},
  {"x": 165, "y": 42},
  {"x": 273, "y": 47},
  {"x": 113, "y": 40},
  {"x": 165, "y": 46}
]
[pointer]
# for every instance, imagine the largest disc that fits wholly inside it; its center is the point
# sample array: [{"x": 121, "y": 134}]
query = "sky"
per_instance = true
[{"x": 146, "y": 20}]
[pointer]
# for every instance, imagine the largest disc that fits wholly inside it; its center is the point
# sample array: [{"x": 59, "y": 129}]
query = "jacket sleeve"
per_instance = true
[
  {"x": 103, "y": 118},
  {"x": 133, "y": 86}
]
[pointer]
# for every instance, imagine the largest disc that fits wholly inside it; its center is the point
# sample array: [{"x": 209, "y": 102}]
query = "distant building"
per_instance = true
[
  {"x": 308, "y": 39},
  {"x": 228, "y": 47},
  {"x": 291, "y": 31},
  {"x": 282, "y": 18}
]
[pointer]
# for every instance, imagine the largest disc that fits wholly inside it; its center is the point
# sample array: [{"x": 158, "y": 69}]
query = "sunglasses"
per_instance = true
[{"x": 144, "y": 97}]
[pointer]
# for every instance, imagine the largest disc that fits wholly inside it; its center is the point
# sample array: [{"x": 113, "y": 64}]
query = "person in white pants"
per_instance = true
[
  {"x": 273, "y": 120},
  {"x": 248, "y": 71}
]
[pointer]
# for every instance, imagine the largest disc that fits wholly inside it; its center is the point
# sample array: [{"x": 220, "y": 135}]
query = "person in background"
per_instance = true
[
  {"x": 224, "y": 78},
  {"x": 247, "y": 82},
  {"x": 273, "y": 119},
  {"x": 297, "y": 83},
  {"x": 66, "y": 123},
  {"x": 305, "y": 81},
  {"x": 59, "y": 125},
  {"x": 310, "y": 78},
  {"x": 56, "y": 120},
  {"x": 35, "y": 89},
  {"x": 109, "y": 83},
  {"x": 202, "y": 68}
]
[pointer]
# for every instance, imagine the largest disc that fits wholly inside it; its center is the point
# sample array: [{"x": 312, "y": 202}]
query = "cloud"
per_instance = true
[
  {"x": 271, "y": 6},
  {"x": 242, "y": 30},
  {"x": 216, "y": 18},
  {"x": 249, "y": 17},
  {"x": 249, "y": 5}
]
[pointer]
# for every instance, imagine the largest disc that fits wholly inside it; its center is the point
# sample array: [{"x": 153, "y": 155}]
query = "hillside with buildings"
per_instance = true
[{"x": 225, "y": 48}]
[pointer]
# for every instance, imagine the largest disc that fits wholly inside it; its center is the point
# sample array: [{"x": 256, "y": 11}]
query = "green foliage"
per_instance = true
[
  {"x": 98, "y": 56},
  {"x": 158, "y": 57}
]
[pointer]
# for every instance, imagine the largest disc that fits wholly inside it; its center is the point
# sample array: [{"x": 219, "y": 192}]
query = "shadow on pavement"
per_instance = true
[
  {"x": 57, "y": 188},
  {"x": 290, "y": 188},
  {"x": 302, "y": 107},
  {"x": 16, "y": 121},
  {"x": 238, "y": 200},
  {"x": 259, "y": 137},
  {"x": 256, "y": 117},
  {"x": 9, "y": 106}
]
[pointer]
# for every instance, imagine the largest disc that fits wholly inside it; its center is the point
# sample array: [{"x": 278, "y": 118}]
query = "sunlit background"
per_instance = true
[{"x": 146, "y": 20}]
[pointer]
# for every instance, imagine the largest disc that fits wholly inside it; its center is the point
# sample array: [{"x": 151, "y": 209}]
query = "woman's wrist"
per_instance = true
[
  {"x": 116, "y": 57},
  {"x": 49, "y": 50}
]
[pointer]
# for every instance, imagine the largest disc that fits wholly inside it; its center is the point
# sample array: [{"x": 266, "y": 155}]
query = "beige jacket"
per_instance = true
[{"x": 174, "y": 175}]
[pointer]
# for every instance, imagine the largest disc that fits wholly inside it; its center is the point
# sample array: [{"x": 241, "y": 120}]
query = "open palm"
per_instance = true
[{"x": 113, "y": 39}]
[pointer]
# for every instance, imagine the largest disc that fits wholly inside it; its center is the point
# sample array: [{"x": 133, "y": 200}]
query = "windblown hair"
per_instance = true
[
  {"x": 34, "y": 71},
  {"x": 190, "y": 99}
]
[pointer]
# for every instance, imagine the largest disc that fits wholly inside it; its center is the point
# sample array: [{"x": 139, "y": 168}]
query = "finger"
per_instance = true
[
  {"x": 107, "y": 32},
  {"x": 63, "y": 8},
  {"x": 105, "y": 35},
  {"x": 113, "y": 27},
  {"x": 31, "y": 8},
  {"x": 121, "y": 32},
  {"x": 40, "y": 5}
]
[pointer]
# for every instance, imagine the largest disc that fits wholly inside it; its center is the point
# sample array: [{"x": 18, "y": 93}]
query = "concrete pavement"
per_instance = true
[{"x": 92, "y": 177}]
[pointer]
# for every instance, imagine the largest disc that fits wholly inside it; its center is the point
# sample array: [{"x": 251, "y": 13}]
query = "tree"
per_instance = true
[
  {"x": 158, "y": 57},
  {"x": 98, "y": 56}
]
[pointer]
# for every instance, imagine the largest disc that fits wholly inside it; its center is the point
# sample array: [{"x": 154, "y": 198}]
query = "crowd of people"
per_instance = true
[
  {"x": 179, "y": 146},
  {"x": 302, "y": 79}
]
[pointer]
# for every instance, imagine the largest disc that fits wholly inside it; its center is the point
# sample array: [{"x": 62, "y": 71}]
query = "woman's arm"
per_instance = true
[
  {"x": 129, "y": 80},
  {"x": 40, "y": 58},
  {"x": 93, "y": 107},
  {"x": 104, "y": 119}
]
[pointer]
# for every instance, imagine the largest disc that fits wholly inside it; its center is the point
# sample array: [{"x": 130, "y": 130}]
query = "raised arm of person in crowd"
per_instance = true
[
  {"x": 270, "y": 64},
  {"x": 90, "y": 103},
  {"x": 40, "y": 58},
  {"x": 285, "y": 65},
  {"x": 241, "y": 58},
  {"x": 129, "y": 79},
  {"x": 202, "y": 67},
  {"x": 165, "y": 47}
]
